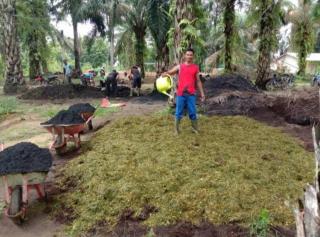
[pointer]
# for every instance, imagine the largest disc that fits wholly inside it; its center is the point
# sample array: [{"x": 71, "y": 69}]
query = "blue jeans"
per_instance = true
[{"x": 184, "y": 101}]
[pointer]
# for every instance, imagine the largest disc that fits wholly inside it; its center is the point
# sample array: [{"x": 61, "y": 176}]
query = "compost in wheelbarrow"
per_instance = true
[
  {"x": 65, "y": 126},
  {"x": 65, "y": 117},
  {"x": 85, "y": 110},
  {"x": 23, "y": 167}
]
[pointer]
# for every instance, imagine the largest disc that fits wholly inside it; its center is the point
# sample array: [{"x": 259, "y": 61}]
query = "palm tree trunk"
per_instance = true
[
  {"x": 112, "y": 20},
  {"x": 182, "y": 11},
  {"x": 112, "y": 47},
  {"x": 140, "y": 48},
  {"x": 44, "y": 62},
  {"x": 76, "y": 45},
  {"x": 265, "y": 46},
  {"x": 34, "y": 54},
  {"x": 302, "y": 59},
  {"x": 229, "y": 20},
  {"x": 13, "y": 72},
  {"x": 34, "y": 58}
]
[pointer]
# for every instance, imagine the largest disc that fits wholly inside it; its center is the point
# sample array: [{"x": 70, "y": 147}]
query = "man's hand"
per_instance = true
[{"x": 203, "y": 98}]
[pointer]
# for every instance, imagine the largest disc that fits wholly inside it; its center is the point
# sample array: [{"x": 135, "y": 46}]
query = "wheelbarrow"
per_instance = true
[
  {"x": 17, "y": 188},
  {"x": 88, "y": 116},
  {"x": 62, "y": 134}
]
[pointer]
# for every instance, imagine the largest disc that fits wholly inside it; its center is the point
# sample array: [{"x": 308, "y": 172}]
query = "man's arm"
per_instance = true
[
  {"x": 172, "y": 71},
  {"x": 200, "y": 87}
]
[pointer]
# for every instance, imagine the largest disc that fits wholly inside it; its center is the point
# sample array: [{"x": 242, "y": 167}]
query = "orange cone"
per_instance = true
[{"x": 105, "y": 103}]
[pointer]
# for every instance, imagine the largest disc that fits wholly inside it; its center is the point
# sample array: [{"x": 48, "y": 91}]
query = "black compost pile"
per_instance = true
[
  {"x": 123, "y": 91},
  {"x": 227, "y": 83},
  {"x": 24, "y": 157},
  {"x": 82, "y": 108},
  {"x": 61, "y": 92},
  {"x": 234, "y": 103},
  {"x": 65, "y": 117},
  {"x": 232, "y": 94}
]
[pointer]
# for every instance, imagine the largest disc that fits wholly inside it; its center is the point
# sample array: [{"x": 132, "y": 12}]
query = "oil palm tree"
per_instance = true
[
  {"x": 34, "y": 26},
  {"x": 271, "y": 15},
  {"x": 159, "y": 24},
  {"x": 13, "y": 71},
  {"x": 229, "y": 21},
  {"x": 79, "y": 10},
  {"x": 187, "y": 15},
  {"x": 136, "y": 18},
  {"x": 303, "y": 37}
]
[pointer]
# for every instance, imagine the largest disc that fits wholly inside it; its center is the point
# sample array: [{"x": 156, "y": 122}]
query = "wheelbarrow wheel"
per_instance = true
[
  {"x": 61, "y": 150},
  {"x": 90, "y": 126},
  {"x": 15, "y": 205}
]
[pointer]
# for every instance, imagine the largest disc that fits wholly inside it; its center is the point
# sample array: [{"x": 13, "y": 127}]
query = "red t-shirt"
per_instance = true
[{"x": 187, "y": 79}]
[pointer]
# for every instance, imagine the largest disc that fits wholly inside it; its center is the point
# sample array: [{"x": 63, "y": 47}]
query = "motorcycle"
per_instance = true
[{"x": 48, "y": 80}]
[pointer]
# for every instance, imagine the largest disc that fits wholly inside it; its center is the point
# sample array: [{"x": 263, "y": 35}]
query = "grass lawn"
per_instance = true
[{"x": 230, "y": 172}]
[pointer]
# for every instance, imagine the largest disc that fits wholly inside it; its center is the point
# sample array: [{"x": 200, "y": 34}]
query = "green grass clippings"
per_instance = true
[{"x": 234, "y": 169}]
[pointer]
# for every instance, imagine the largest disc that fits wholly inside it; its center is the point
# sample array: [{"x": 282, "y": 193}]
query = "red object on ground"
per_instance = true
[{"x": 105, "y": 103}]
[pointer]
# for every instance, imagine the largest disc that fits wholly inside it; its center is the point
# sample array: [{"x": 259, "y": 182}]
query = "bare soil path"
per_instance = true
[{"x": 26, "y": 127}]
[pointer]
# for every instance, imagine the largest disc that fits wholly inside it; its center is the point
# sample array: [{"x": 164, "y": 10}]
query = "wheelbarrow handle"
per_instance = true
[{"x": 89, "y": 119}]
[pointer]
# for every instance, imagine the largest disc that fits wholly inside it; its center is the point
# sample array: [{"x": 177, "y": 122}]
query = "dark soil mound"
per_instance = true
[
  {"x": 82, "y": 108},
  {"x": 61, "y": 92},
  {"x": 151, "y": 98},
  {"x": 65, "y": 117},
  {"x": 299, "y": 107},
  {"x": 234, "y": 103},
  {"x": 24, "y": 157},
  {"x": 123, "y": 91},
  {"x": 231, "y": 95},
  {"x": 230, "y": 82}
]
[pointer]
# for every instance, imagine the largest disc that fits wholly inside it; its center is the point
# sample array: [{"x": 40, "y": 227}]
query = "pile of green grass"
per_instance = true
[{"x": 230, "y": 172}]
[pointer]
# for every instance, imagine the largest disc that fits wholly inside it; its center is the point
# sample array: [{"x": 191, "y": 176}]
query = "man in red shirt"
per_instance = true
[{"x": 188, "y": 81}]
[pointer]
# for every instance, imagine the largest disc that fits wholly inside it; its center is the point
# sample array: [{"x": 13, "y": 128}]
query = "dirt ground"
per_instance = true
[{"x": 16, "y": 128}]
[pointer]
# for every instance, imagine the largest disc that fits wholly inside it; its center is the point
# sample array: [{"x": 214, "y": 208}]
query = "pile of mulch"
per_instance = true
[
  {"x": 227, "y": 83},
  {"x": 61, "y": 92},
  {"x": 82, "y": 108},
  {"x": 65, "y": 117},
  {"x": 299, "y": 106},
  {"x": 123, "y": 91},
  {"x": 232, "y": 94},
  {"x": 24, "y": 157},
  {"x": 234, "y": 103}
]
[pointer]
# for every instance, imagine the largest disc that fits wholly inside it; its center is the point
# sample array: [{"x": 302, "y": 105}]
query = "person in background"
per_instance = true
[
  {"x": 188, "y": 81},
  {"x": 67, "y": 71},
  {"x": 135, "y": 77},
  {"x": 102, "y": 79},
  {"x": 112, "y": 83}
]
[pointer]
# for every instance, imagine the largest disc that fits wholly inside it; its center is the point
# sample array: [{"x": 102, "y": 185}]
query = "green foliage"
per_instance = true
[
  {"x": 34, "y": 26},
  {"x": 125, "y": 48},
  {"x": 95, "y": 54},
  {"x": 228, "y": 173},
  {"x": 102, "y": 112},
  {"x": 7, "y": 105},
  {"x": 260, "y": 227},
  {"x": 188, "y": 27}
]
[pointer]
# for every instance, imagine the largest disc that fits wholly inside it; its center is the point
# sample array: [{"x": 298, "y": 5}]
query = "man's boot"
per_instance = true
[
  {"x": 131, "y": 92},
  {"x": 194, "y": 125},
  {"x": 177, "y": 126},
  {"x": 138, "y": 92}
]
